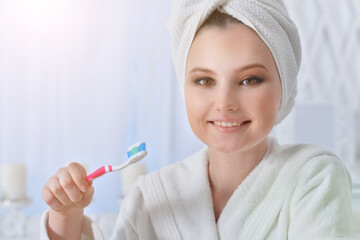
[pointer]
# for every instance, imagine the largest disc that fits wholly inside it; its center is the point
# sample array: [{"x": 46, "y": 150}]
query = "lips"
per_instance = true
[{"x": 230, "y": 126}]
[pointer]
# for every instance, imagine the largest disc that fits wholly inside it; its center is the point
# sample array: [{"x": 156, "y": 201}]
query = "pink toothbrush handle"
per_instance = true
[{"x": 101, "y": 171}]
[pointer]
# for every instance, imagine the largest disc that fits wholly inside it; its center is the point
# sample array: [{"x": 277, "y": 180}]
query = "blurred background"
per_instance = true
[{"x": 83, "y": 80}]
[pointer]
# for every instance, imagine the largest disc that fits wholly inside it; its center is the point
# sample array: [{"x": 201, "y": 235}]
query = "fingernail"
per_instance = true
[{"x": 83, "y": 188}]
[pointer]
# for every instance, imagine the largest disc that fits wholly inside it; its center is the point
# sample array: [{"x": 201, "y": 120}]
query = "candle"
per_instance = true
[
  {"x": 357, "y": 221},
  {"x": 13, "y": 181},
  {"x": 130, "y": 174},
  {"x": 356, "y": 206}
]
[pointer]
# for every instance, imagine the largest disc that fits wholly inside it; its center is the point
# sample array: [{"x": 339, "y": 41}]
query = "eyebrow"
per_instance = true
[{"x": 241, "y": 69}]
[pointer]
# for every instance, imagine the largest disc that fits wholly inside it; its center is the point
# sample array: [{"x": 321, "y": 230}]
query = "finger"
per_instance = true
[
  {"x": 67, "y": 183},
  {"x": 87, "y": 197},
  {"x": 78, "y": 174},
  {"x": 50, "y": 199},
  {"x": 89, "y": 194},
  {"x": 58, "y": 191}
]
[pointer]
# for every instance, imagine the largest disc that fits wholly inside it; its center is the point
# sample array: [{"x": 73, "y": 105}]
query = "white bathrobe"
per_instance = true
[{"x": 295, "y": 192}]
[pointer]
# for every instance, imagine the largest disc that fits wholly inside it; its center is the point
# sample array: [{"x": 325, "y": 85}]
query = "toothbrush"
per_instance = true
[{"x": 135, "y": 153}]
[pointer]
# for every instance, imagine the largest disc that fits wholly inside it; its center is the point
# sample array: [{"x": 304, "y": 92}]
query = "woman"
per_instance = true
[{"x": 237, "y": 63}]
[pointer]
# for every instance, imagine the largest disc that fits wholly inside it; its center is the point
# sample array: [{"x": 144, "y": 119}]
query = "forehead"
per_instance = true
[{"x": 234, "y": 44}]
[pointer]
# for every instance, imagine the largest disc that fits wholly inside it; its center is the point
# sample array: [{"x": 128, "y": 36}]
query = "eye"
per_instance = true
[
  {"x": 205, "y": 81},
  {"x": 252, "y": 80}
]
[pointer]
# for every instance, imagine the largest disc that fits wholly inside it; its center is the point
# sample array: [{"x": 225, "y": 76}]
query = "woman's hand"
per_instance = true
[
  {"x": 68, "y": 189},
  {"x": 67, "y": 193}
]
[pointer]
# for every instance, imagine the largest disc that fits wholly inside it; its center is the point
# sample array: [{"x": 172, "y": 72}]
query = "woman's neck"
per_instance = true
[{"x": 228, "y": 170}]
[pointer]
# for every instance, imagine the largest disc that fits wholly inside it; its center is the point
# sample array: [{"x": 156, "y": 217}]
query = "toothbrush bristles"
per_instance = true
[
  {"x": 142, "y": 147},
  {"x": 136, "y": 149}
]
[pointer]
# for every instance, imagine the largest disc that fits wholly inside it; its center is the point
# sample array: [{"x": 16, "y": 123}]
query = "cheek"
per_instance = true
[
  {"x": 192, "y": 104},
  {"x": 193, "y": 115},
  {"x": 197, "y": 108},
  {"x": 267, "y": 105},
  {"x": 196, "y": 100}
]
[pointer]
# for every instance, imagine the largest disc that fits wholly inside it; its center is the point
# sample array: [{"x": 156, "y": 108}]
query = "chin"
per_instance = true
[
  {"x": 228, "y": 148},
  {"x": 237, "y": 145}
]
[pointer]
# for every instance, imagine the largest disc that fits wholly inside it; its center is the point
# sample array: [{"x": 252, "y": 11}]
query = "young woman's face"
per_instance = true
[{"x": 232, "y": 88}]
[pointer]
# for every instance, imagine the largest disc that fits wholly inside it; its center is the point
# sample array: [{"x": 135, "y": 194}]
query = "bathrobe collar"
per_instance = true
[{"x": 178, "y": 198}]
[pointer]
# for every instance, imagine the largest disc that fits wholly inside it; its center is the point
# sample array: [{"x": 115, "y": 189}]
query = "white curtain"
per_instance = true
[{"x": 83, "y": 80}]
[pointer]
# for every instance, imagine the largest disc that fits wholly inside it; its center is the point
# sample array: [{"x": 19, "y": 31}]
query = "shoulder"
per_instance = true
[
  {"x": 308, "y": 156},
  {"x": 299, "y": 151},
  {"x": 308, "y": 164},
  {"x": 314, "y": 167}
]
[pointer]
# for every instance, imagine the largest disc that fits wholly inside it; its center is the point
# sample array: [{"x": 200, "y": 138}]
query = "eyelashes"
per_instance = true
[
  {"x": 252, "y": 80},
  {"x": 204, "y": 81},
  {"x": 248, "y": 81}
]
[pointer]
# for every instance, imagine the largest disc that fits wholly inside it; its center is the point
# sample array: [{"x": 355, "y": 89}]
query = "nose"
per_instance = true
[{"x": 225, "y": 100}]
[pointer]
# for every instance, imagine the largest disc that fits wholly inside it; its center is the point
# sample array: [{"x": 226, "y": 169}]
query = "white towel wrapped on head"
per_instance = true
[{"x": 270, "y": 20}]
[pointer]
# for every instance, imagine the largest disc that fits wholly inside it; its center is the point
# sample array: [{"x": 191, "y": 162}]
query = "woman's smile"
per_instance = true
[{"x": 229, "y": 126}]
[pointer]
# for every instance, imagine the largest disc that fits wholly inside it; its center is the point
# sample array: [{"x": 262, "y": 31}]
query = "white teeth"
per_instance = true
[{"x": 227, "y": 124}]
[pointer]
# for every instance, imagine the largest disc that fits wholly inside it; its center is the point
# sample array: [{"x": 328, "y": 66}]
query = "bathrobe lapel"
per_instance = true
[
  {"x": 179, "y": 200},
  {"x": 245, "y": 209},
  {"x": 180, "y": 206}
]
